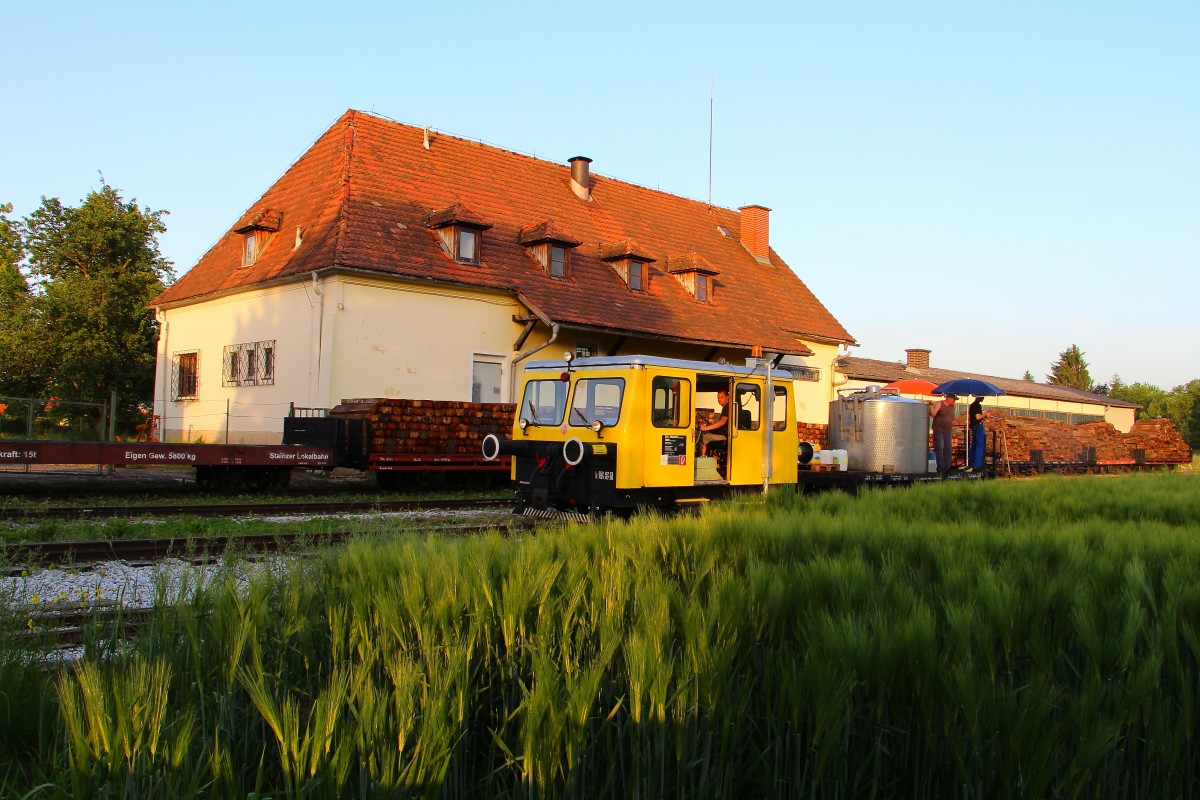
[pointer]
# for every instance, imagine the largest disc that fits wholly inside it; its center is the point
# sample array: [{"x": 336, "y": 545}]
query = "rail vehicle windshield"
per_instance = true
[
  {"x": 544, "y": 402},
  {"x": 671, "y": 402},
  {"x": 597, "y": 399}
]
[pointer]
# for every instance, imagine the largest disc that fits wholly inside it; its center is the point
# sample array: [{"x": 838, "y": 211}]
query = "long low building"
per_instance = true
[{"x": 1022, "y": 398}]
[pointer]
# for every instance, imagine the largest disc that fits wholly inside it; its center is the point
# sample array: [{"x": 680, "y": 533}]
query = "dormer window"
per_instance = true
[
  {"x": 257, "y": 228},
  {"x": 550, "y": 246},
  {"x": 460, "y": 231},
  {"x": 558, "y": 261},
  {"x": 695, "y": 273},
  {"x": 637, "y": 276},
  {"x": 466, "y": 247},
  {"x": 629, "y": 261}
]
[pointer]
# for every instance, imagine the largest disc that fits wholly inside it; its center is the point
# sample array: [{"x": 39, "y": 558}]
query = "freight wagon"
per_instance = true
[
  {"x": 393, "y": 439},
  {"x": 217, "y": 466}
]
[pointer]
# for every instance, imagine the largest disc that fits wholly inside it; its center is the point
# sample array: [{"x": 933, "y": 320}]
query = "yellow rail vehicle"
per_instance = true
[{"x": 616, "y": 433}]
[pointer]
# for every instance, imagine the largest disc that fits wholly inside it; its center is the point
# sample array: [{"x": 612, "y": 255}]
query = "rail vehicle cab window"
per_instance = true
[
  {"x": 671, "y": 402},
  {"x": 749, "y": 407},
  {"x": 779, "y": 410},
  {"x": 544, "y": 402},
  {"x": 597, "y": 399}
]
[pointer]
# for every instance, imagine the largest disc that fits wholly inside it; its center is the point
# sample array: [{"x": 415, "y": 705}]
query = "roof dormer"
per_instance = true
[
  {"x": 695, "y": 273},
  {"x": 551, "y": 246},
  {"x": 461, "y": 232},
  {"x": 256, "y": 228},
  {"x": 630, "y": 261}
]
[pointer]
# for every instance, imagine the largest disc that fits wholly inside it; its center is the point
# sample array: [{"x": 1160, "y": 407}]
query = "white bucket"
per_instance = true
[{"x": 841, "y": 458}]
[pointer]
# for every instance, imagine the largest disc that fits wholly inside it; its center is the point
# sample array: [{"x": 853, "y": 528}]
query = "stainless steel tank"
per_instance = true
[{"x": 881, "y": 432}]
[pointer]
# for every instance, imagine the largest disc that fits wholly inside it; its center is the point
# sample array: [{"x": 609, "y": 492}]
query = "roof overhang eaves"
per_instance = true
[
  {"x": 337, "y": 269},
  {"x": 851, "y": 342}
]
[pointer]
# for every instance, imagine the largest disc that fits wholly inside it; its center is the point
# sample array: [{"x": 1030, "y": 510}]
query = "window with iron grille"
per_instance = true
[
  {"x": 249, "y": 364},
  {"x": 805, "y": 373},
  {"x": 185, "y": 375}
]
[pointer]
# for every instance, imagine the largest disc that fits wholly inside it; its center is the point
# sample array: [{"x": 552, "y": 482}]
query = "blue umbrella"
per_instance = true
[{"x": 965, "y": 386}]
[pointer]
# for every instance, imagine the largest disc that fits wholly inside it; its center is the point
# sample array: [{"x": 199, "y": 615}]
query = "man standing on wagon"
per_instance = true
[{"x": 943, "y": 431}]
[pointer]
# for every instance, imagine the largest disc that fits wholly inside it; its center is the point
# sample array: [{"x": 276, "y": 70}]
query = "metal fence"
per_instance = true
[{"x": 52, "y": 419}]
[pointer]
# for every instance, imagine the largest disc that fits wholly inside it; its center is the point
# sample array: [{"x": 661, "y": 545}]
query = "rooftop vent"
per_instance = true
[{"x": 581, "y": 179}]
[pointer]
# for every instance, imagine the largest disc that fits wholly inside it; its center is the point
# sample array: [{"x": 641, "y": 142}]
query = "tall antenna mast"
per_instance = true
[{"x": 710, "y": 136}]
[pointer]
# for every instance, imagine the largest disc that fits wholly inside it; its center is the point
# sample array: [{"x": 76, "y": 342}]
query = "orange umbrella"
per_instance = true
[{"x": 912, "y": 386}]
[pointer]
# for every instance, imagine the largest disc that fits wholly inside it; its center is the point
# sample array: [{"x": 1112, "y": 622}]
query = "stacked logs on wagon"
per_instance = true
[
  {"x": 421, "y": 427},
  {"x": 813, "y": 433},
  {"x": 1058, "y": 441}
]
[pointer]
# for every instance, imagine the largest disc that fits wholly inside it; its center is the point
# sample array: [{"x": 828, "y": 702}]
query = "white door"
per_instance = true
[{"x": 486, "y": 372}]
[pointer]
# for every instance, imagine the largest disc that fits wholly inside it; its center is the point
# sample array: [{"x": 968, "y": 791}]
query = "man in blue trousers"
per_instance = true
[{"x": 975, "y": 417}]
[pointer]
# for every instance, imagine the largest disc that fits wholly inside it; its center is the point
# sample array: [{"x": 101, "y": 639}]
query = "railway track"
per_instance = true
[
  {"x": 58, "y": 631},
  {"x": 66, "y": 628},
  {"x": 260, "y": 509},
  {"x": 20, "y": 557}
]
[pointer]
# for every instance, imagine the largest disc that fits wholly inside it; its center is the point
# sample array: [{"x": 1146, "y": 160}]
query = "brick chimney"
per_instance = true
[
  {"x": 756, "y": 230},
  {"x": 918, "y": 358}
]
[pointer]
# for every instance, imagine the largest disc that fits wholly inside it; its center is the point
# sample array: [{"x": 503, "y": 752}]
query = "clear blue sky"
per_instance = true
[{"x": 994, "y": 182}]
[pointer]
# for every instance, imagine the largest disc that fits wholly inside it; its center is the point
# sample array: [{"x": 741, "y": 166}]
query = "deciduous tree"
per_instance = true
[
  {"x": 93, "y": 269},
  {"x": 1153, "y": 400},
  {"x": 1193, "y": 420},
  {"x": 16, "y": 362},
  {"x": 1181, "y": 402}
]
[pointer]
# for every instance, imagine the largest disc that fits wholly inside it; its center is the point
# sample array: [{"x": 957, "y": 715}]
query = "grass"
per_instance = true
[{"x": 1008, "y": 639}]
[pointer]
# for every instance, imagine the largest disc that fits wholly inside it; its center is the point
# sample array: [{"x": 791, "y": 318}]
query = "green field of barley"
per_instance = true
[{"x": 1034, "y": 639}]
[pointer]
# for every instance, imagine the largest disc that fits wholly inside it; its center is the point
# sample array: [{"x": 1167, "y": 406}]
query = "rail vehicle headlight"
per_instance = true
[
  {"x": 573, "y": 451},
  {"x": 523, "y": 423},
  {"x": 598, "y": 426},
  {"x": 568, "y": 356}
]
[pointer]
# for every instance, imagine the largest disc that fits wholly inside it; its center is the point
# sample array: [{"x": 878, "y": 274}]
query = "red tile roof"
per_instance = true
[{"x": 364, "y": 193}]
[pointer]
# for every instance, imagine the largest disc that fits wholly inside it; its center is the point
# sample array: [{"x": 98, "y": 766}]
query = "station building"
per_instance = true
[{"x": 397, "y": 261}]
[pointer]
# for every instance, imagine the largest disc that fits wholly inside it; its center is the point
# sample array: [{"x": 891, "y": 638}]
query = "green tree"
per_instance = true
[
  {"x": 1180, "y": 403},
  {"x": 17, "y": 367},
  {"x": 1029, "y": 377},
  {"x": 94, "y": 269},
  {"x": 1193, "y": 424},
  {"x": 1070, "y": 370},
  {"x": 1153, "y": 400}
]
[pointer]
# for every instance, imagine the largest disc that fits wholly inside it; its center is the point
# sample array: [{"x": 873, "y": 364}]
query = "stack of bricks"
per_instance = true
[
  {"x": 812, "y": 433},
  {"x": 1060, "y": 441},
  {"x": 449, "y": 427}
]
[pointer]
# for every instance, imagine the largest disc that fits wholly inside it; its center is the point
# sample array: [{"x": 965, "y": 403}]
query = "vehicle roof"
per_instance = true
[{"x": 639, "y": 362}]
